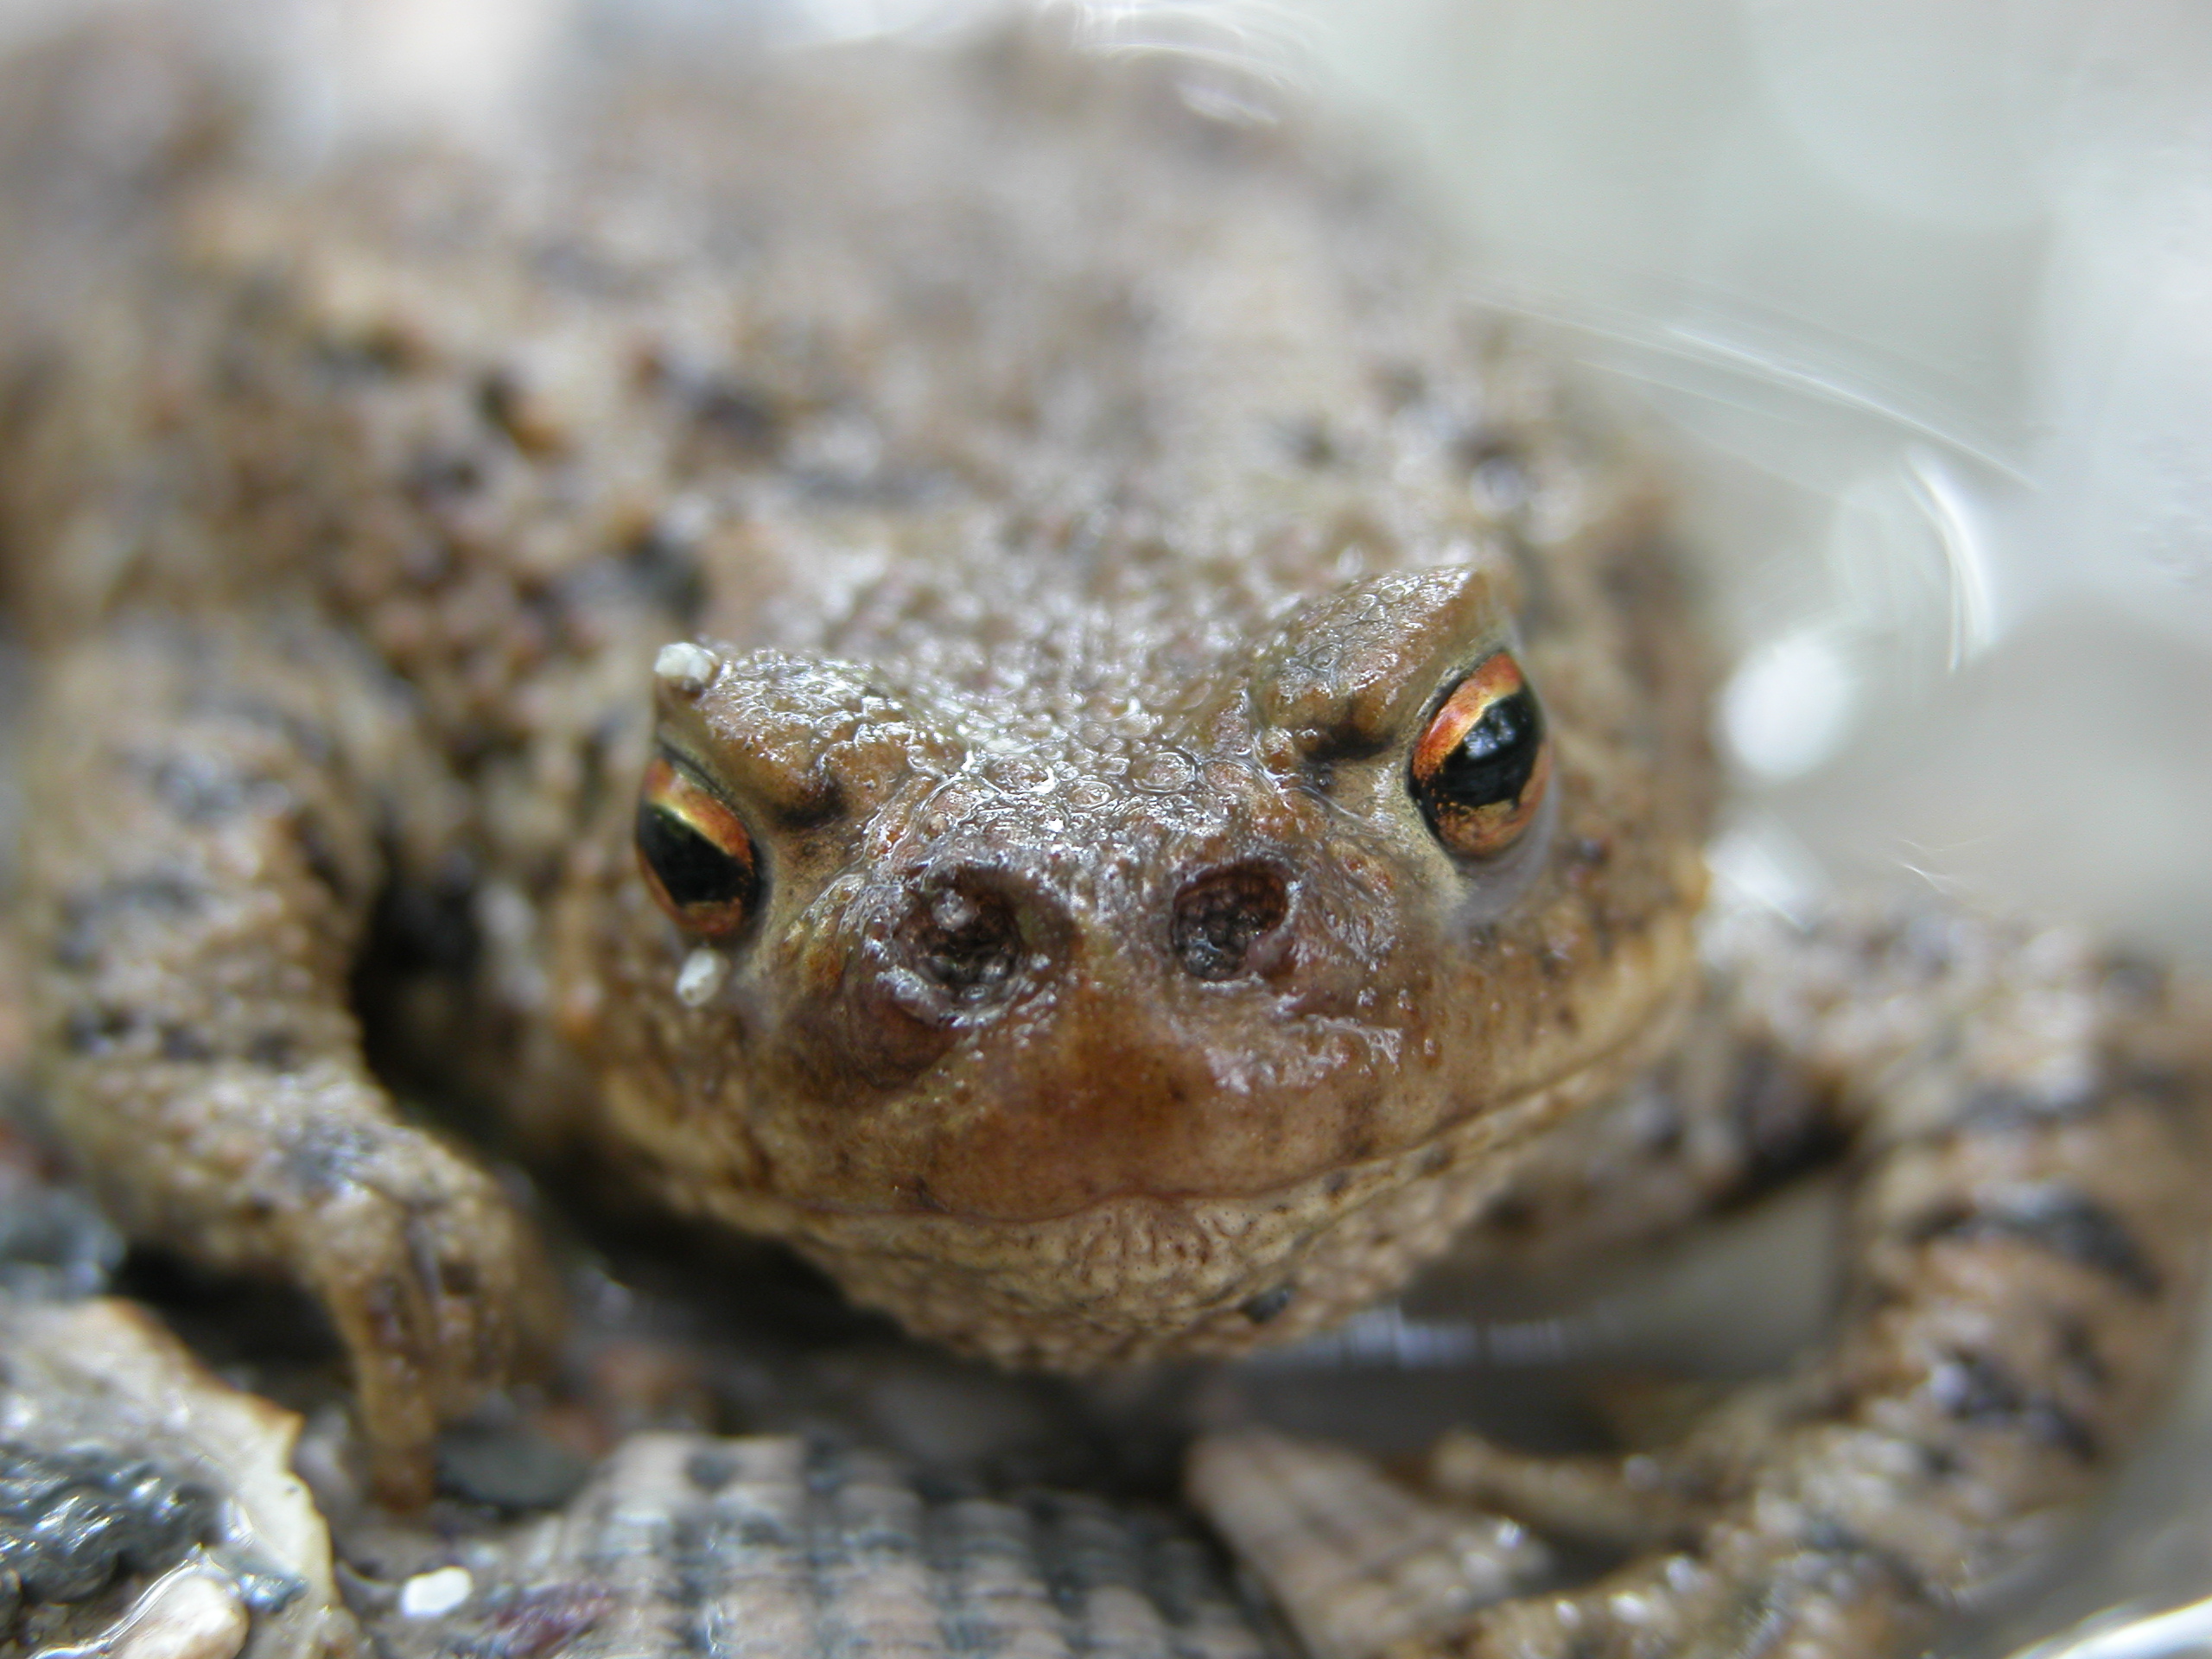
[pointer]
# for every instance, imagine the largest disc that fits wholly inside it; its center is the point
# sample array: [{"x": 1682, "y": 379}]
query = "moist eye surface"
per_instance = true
[
  {"x": 1495, "y": 759},
  {"x": 691, "y": 869},
  {"x": 695, "y": 853},
  {"x": 1481, "y": 768}
]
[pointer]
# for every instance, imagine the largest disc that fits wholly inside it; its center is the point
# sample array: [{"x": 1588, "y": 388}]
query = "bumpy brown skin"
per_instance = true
[
  {"x": 1086, "y": 504},
  {"x": 2025, "y": 1119}
]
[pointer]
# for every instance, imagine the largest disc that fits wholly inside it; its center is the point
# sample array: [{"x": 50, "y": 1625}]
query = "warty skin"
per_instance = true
[{"x": 1079, "y": 516}]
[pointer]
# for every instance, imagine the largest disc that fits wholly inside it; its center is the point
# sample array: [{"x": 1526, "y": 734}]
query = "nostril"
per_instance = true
[
  {"x": 920, "y": 960},
  {"x": 1224, "y": 921},
  {"x": 966, "y": 941}
]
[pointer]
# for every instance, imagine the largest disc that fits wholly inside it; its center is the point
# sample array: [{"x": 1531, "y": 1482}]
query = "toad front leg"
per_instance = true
[
  {"x": 2027, "y": 1127},
  {"x": 203, "y": 847}
]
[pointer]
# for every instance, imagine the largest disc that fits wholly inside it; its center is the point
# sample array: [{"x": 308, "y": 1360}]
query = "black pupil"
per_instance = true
[
  {"x": 1495, "y": 759},
  {"x": 691, "y": 868}
]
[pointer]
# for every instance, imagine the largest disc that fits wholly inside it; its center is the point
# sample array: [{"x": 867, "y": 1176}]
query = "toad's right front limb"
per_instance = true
[
  {"x": 208, "y": 817},
  {"x": 2024, "y": 1130}
]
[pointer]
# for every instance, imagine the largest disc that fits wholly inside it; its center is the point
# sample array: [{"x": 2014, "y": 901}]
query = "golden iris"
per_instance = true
[
  {"x": 697, "y": 858},
  {"x": 1480, "y": 770}
]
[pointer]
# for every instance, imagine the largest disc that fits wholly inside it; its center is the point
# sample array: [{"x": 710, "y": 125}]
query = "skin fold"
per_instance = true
[{"x": 1060, "y": 901}]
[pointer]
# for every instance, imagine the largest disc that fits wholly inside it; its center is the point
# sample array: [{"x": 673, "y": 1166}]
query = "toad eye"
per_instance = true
[
  {"x": 1480, "y": 769},
  {"x": 697, "y": 858}
]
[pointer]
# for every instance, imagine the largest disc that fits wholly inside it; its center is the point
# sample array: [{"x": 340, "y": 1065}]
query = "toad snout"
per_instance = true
[{"x": 952, "y": 951}]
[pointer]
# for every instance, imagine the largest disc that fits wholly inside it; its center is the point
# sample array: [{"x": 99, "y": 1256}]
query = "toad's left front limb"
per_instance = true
[{"x": 2026, "y": 1126}]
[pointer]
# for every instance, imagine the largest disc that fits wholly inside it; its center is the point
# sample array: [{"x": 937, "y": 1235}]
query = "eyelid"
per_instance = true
[
  {"x": 670, "y": 784},
  {"x": 1495, "y": 678}
]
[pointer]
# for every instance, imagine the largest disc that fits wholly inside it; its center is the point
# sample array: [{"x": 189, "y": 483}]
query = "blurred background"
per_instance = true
[
  {"x": 1916, "y": 297},
  {"x": 1917, "y": 292}
]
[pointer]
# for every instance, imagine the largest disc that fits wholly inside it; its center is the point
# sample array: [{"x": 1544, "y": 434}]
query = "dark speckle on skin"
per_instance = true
[
  {"x": 737, "y": 415},
  {"x": 440, "y": 474},
  {"x": 2162, "y": 1084},
  {"x": 2064, "y": 1221},
  {"x": 1268, "y": 1304},
  {"x": 86, "y": 916},
  {"x": 182, "y": 1042},
  {"x": 1979, "y": 1390},
  {"x": 275, "y": 1050},
  {"x": 92, "y": 1031},
  {"x": 2077, "y": 1349}
]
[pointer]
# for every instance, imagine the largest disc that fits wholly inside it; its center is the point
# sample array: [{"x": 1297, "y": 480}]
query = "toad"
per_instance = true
[{"x": 945, "y": 659}]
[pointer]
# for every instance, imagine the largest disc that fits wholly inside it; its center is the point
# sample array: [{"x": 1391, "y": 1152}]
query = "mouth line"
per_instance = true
[{"x": 1502, "y": 1112}]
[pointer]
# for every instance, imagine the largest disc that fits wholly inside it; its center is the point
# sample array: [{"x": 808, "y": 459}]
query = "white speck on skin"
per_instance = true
[
  {"x": 435, "y": 1594},
  {"x": 699, "y": 977},
  {"x": 684, "y": 667},
  {"x": 188, "y": 1615}
]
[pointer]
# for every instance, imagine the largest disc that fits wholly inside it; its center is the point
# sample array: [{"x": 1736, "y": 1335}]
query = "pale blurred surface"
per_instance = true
[
  {"x": 1917, "y": 296},
  {"x": 1920, "y": 293}
]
